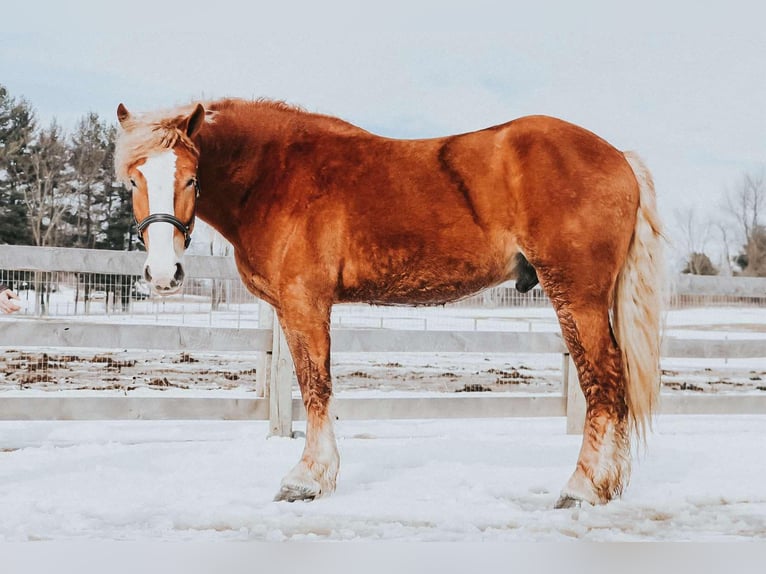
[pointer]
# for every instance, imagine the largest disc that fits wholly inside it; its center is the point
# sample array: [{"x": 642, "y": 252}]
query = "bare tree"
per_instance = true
[
  {"x": 746, "y": 206},
  {"x": 694, "y": 236},
  {"x": 45, "y": 191},
  {"x": 726, "y": 268},
  {"x": 88, "y": 152},
  {"x": 97, "y": 204}
]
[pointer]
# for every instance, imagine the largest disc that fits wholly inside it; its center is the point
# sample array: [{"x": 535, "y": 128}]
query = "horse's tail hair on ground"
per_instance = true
[{"x": 638, "y": 305}]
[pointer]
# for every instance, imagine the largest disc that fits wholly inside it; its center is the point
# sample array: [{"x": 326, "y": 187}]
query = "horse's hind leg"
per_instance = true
[{"x": 603, "y": 466}]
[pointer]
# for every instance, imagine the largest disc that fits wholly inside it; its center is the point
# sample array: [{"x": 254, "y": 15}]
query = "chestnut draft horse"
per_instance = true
[{"x": 320, "y": 211}]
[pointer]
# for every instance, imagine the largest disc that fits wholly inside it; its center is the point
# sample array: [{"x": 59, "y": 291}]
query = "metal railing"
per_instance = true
[{"x": 74, "y": 283}]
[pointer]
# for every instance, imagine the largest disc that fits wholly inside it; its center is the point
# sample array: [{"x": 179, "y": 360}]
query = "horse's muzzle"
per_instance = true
[{"x": 165, "y": 284}]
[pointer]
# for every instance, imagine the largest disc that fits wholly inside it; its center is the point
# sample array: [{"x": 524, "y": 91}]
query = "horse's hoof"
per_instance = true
[
  {"x": 566, "y": 501},
  {"x": 292, "y": 493}
]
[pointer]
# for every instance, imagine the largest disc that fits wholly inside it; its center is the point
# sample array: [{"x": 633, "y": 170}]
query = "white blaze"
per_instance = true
[{"x": 159, "y": 171}]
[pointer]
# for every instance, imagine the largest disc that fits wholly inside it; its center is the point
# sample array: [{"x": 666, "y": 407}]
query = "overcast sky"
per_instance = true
[{"x": 682, "y": 84}]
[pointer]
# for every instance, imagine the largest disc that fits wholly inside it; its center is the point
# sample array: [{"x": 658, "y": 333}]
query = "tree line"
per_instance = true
[
  {"x": 736, "y": 233},
  {"x": 58, "y": 189}
]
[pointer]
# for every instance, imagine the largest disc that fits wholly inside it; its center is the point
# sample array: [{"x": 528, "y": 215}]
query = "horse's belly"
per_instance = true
[{"x": 423, "y": 286}]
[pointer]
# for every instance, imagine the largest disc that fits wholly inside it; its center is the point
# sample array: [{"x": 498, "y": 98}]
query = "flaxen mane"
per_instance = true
[{"x": 147, "y": 133}]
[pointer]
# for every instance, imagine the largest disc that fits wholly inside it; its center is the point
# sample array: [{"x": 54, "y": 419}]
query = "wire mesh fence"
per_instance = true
[
  {"x": 226, "y": 301},
  {"x": 120, "y": 297},
  {"x": 65, "y": 285}
]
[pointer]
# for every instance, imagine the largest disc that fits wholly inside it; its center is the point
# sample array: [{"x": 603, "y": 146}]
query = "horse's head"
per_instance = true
[{"x": 157, "y": 159}]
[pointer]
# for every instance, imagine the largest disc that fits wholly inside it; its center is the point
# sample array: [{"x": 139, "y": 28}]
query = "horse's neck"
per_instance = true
[
  {"x": 220, "y": 170},
  {"x": 236, "y": 152}
]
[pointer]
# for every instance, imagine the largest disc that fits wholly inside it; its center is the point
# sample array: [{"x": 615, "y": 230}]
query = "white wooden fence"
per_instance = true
[{"x": 276, "y": 374}]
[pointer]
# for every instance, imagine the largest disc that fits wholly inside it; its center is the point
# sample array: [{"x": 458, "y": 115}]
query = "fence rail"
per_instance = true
[
  {"x": 57, "y": 333},
  {"x": 278, "y": 404},
  {"x": 30, "y": 258}
]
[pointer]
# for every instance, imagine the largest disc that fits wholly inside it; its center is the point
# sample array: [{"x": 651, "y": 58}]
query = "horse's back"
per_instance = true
[{"x": 430, "y": 221}]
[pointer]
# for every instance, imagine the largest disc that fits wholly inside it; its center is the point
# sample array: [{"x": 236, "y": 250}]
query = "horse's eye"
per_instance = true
[
  {"x": 133, "y": 182},
  {"x": 190, "y": 183}
]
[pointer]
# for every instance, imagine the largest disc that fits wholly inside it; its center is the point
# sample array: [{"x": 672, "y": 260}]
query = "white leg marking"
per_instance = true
[
  {"x": 315, "y": 474},
  {"x": 610, "y": 465}
]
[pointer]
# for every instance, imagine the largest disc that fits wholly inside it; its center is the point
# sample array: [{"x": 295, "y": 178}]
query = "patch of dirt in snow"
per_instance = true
[
  {"x": 124, "y": 371},
  {"x": 449, "y": 373}
]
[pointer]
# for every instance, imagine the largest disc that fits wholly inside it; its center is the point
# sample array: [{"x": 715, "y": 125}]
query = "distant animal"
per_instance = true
[{"x": 320, "y": 211}]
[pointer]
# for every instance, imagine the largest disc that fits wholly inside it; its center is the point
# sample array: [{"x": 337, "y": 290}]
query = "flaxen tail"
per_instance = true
[{"x": 638, "y": 305}]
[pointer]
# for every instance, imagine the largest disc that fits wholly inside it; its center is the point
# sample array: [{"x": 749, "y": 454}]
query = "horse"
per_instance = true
[{"x": 320, "y": 211}]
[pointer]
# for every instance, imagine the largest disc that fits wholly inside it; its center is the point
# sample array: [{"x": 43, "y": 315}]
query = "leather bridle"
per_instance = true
[{"x": 184, "y": 228}]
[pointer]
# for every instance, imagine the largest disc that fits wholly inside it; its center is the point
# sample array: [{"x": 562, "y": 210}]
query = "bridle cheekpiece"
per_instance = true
[{"x": 184, "y": 228}]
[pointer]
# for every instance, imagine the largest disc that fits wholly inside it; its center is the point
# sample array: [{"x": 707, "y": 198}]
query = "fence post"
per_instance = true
[
  {"x": 574, "y": 396},
  {"x": 263, "y": 359},
  {"x": 281, "y": 386}
]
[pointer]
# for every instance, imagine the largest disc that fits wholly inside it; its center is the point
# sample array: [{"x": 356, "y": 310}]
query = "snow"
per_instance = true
[{"x": 700, "y": 478}]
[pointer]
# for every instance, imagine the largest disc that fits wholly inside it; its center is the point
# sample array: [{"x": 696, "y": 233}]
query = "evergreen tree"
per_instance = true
[
  {"x": 17, "y": 130},
  {"x": 119, "y": 232},
  {"x": 88, "y": 147},
  {"x": 101, "y": 214}
]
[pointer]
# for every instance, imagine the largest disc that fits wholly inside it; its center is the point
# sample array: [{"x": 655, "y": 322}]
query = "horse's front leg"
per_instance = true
[{"x": 307, "y": 330}]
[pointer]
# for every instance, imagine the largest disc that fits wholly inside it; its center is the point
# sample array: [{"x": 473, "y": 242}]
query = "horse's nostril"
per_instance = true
[
  {"x": 179, "y": 275},
  {"x": 147, "y": 274}
]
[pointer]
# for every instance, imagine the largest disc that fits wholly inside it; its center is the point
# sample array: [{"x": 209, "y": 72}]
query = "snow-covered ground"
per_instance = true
[{"x": 700, "y": 478}]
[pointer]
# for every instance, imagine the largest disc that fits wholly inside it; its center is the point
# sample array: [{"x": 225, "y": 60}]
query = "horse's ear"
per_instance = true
[
  {"x": 122, "y": 114},
  {"x": 195, "y": 120}
]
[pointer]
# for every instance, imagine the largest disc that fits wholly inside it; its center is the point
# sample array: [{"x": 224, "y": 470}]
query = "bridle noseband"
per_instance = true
[{"x": 184, "y": 228}]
